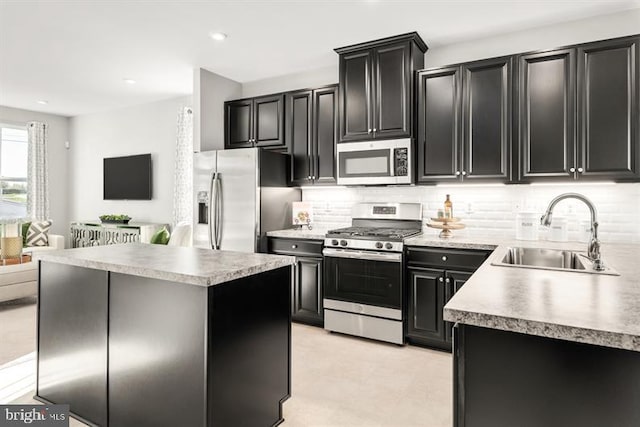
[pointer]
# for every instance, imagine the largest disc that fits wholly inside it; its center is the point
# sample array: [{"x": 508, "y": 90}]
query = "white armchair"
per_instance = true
[{"x": 21, "y": 280}]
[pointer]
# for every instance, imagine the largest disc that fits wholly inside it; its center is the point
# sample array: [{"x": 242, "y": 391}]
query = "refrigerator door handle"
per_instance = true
[
  {"x": 213, "y": 200},
  {"x": 218, "y": 188}
]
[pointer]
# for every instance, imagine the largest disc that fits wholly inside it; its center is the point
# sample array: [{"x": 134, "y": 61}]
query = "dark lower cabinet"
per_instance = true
[
  {"x": 510, "y": 379},
  {"x": 434, "y": 275},
  {"x": 608, "y": 116},
  {"x": 307, "y": 280},
  {"x": 255, "y": 122},
  {"x": 312, "y": 129}
]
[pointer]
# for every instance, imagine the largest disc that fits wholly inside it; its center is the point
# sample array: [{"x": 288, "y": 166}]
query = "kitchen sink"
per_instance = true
[{"x": 550, "y": 259}]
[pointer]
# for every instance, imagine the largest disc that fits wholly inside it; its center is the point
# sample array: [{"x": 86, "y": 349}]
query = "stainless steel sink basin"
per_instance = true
[{"x": 549, "y": 259}]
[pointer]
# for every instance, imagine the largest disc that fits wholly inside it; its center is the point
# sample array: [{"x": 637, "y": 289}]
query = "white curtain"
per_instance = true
[
  {"x": 37, "y": 172},
  {"x": 183, "y": 183}
]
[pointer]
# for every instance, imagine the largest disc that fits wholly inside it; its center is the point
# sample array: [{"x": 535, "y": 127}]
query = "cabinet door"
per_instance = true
[
  {"x": 299, "y": 120},
  {"x": 238, "y": 124},
  {"x": 268, "y": 116},
  {"x": 392, "y": 91},
  {"x": 355, "y": 97},
  {"x": 453, "y": 282},
  {"x": 608, "y": 93},
  {"x": 307, "y": 291},
  {"x": 325, "y": 134},
  {"x": 426, "y": 299},
  {"x": 439, "y": 126},
  {"x": 546, "y": 115},
  {"x": 487, "y": 119}
]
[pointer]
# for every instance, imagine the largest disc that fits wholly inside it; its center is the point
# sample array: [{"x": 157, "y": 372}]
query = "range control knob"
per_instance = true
[
  {"x": 343, "y": 243},
  {"x": 379, "y": 245},
  {"x": 334, "y": 242},
  {"x": 388, "y": 246}
]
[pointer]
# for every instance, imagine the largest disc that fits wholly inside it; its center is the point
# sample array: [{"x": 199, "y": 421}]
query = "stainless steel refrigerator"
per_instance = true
[{"x": 240, "y": 194}]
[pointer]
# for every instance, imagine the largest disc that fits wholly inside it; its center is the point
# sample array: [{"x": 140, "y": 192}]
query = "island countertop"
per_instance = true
[
  {"x": 195, "y": 266},
  {"x": 589, "y": 308}
]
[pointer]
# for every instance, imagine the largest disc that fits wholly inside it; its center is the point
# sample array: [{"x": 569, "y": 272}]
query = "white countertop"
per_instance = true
[{"x": 196, "y": 266}]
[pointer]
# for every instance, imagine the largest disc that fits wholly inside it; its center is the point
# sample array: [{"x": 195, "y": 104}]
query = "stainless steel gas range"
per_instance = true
[{"x": 363, "y": 293}]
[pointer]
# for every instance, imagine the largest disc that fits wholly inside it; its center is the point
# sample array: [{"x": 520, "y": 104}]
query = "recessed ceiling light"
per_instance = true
[
  {"x": 218, "y": 36},
  {"x": 43, "y": 102},
  {"x": 129, "y": 81}
]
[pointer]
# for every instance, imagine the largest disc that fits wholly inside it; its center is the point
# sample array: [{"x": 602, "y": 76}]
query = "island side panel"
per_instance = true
[
  {"x": 512, "y": 379},
  {"x": 156, "y": 352},
  {"x": 72, "y": 339},
  {"x": 250, "y": 349}
]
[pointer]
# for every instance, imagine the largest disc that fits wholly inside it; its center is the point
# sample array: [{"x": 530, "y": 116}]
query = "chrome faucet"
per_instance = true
[{"x": 593, "y": 249}]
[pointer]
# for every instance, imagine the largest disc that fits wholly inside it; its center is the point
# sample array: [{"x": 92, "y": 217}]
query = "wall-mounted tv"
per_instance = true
[{"x": 127, "y": 178}]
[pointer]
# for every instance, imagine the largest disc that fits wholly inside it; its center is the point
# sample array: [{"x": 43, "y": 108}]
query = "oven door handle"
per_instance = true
[{"x": 364, "y": 255}]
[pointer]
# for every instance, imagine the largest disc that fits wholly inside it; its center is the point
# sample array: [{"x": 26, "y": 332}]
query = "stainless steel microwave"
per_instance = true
[{"x": 375, "y": 162}]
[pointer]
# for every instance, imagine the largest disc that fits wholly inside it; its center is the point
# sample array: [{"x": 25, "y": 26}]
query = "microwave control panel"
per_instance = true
[{"x": 401, "y": 163}]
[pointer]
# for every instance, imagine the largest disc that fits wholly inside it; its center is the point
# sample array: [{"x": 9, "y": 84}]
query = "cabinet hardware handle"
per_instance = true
[
  {"x": 294, "y": 246},
  {"x": 457, "y": 173},
  {"x": 309, "y": 177},
  {"x": 375, "y": 130},
  {"x": 440, "y": 280},
  {"x": 444, "y": 257},
  {"x": 313, "y": 177},
  {"x": 369, "y": 131},
  {"x": 580, "y": 170},
  {"x": 464, "y": 173},
  {"x": 447, "y": 281},
  {"x": 572, "y": 170}
]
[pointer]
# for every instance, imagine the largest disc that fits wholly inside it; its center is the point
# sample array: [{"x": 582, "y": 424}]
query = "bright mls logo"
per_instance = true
[{"x": 34, "y": 415}]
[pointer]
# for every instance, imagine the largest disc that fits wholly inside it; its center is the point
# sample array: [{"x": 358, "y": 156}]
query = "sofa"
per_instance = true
[{"x": 21, "y": 280}]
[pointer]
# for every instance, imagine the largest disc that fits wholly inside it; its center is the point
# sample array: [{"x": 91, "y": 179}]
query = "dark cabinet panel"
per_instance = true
[
  {"x": 453, "y": 281},
  {"x": 299, "y": 119},
  {"x": 487, "y": 113},
  {"x": 257, "y": 122},
  {"x": 426, "y": 299},
  {"x": 355, "y": 100},
  {"x": 269, "y": 121},
  {"x": 239, "y": 125},
  {"x": 376, "y": 87},
  {"x": 392, "y": 76},
  {"x": 312, "y": 132},
  {"x": 546, "y": 114},
  {"x": 307, "y": 291},
  {"x": 439, "y": 112},
  {"x": 307, "y": 283},
  {"x": 608, "y": 94},
  {"x": 325, "y": 135}
]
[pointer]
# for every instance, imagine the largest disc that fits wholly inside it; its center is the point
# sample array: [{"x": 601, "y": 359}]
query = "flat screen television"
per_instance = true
[{"x": 127, "y": 178}]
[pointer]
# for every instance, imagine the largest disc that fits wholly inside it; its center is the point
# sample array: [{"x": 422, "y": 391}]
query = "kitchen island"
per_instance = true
[
  {"x": 151, "y": 335},
  {"x": 536, "y": 347}
]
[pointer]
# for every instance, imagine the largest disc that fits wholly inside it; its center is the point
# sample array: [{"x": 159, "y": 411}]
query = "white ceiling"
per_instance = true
[{"x": 75, "y": 54}]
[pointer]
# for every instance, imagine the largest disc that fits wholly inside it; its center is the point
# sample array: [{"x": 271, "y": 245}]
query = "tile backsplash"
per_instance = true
[{"x": 492, "y": 209}]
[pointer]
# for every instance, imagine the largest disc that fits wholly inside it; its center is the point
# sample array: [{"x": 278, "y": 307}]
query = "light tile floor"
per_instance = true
[{"x": 337, "y": 380}]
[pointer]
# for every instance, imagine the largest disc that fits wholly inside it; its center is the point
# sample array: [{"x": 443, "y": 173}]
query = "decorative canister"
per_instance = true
[
  {"x": 527, "y": 225},
  {"x": 558, "y": 231}
]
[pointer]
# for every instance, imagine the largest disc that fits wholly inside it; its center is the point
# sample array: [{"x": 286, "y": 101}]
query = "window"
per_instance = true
[{"x": 13, "y": 171}]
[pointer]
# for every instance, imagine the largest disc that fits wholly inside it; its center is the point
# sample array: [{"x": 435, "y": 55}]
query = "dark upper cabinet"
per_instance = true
[
  {"x": 464, "y": 122},
  {"x": 608, "y": 116},
  {"x": 546, "y": 115},
  {"x": 238, "y": 124},
  {"x": 312, "y": 118},
  {"x": 486, "y": 115},
  {"x": 376, "y": 87},
  {"x": 255, "y": 122},
  {"x": 439, "y": 124}
]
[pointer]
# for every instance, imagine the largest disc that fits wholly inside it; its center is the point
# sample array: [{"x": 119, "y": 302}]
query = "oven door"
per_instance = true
[
  {"x": 363, "y": 277},
  {"x": 375, "y": 163}
]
